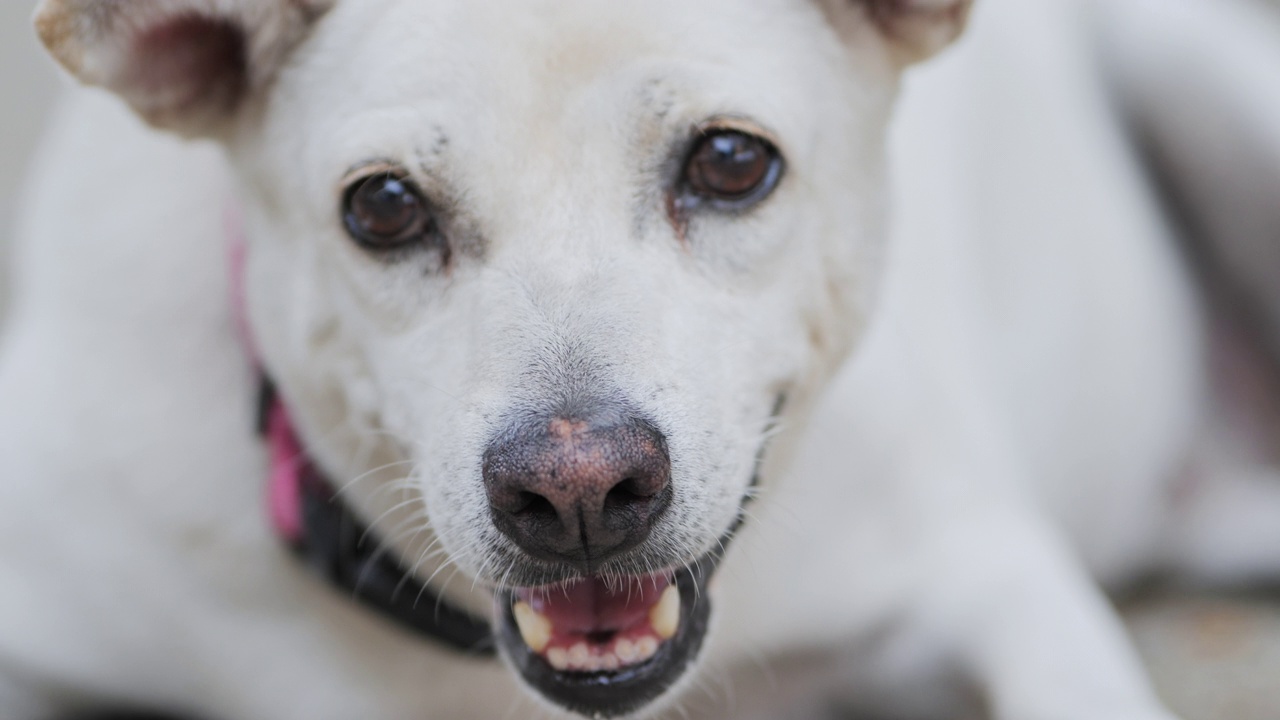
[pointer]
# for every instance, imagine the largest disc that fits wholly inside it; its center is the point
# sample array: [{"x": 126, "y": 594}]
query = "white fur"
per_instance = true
[{"x": 1025, "y": 387}]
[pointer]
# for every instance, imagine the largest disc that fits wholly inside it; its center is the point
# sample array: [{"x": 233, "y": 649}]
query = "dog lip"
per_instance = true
[{"x": 608, "y": 694}]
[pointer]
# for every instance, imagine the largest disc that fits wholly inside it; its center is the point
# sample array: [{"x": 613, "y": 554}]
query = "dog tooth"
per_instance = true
[
  {"x": 665, "y": 616},
  {"x": 625, "y": 650},
  {"x": 594, "y": 663},
  {"x": 558, "y": 658},
  {"x": 647, "y": 647},
  {"x": 578, "y": 655},
  {"x": 609, "y": 661},
  {"x": 535, "y": 628}
]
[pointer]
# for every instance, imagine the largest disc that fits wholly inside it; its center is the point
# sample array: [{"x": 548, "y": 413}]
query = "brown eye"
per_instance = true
[
  {"x": 384, "y": 211},
  {"x": 732, "y": 166}
]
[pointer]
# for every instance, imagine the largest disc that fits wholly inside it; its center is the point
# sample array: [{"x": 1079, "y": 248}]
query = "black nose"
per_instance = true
[{"x": 577, "y": 491}]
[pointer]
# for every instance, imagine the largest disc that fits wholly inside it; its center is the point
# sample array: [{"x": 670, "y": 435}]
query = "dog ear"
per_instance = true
[
  {"x": 184, "y": 65},
  {"x": 914, "y": 29},
  {"x": 920, "y": 28}
]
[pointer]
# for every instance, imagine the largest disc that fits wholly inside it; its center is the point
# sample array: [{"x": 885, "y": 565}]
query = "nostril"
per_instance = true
[
  {"x": 534, "y": 506},
  {"x": 628, "y": 493}
]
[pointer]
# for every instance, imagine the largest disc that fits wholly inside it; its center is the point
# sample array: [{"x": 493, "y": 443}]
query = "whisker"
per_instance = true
[
  {"x": 398, "y": 506},
  {"x": 364, "y": 475}
]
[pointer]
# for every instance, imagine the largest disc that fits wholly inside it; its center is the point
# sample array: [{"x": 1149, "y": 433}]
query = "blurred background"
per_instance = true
[{"x": 1213, "y": 657}]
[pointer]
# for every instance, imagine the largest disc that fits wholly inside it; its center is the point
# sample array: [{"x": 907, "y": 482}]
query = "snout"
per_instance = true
[
  {"x": 578, "y": 491},
  {"x": 619, "y": 617}
]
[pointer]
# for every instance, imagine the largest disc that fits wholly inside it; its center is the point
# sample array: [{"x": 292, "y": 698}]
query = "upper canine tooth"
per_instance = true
[
  {"x": 665, "y": 616},
  {"x": 535, "y": 628}
]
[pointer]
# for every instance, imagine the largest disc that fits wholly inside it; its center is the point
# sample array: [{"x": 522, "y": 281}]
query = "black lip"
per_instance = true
[{"x": 614, "y": 694}]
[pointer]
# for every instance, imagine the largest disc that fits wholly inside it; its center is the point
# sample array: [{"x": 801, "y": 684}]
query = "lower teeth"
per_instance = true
[
  {"x": 537, "y": 630},
  {"x": 582, "y": 658}
]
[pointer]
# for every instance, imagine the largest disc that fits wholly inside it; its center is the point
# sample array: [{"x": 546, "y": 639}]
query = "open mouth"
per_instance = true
[
  {"x": 604, "y": 646},
  {"x": 607, "y": 648}
]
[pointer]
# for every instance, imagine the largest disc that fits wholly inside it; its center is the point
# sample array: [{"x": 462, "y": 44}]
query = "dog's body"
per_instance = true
[{"x": 1028, "y": 405}]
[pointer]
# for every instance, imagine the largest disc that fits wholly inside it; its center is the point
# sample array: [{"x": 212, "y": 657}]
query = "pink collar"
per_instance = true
[{"x": 284, "y": 451}]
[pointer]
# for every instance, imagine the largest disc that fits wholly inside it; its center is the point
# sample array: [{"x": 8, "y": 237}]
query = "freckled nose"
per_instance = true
[{"x": 576, "y": 491}]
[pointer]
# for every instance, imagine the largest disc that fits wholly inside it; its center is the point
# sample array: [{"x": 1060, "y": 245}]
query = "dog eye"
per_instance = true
[
  {"x": 385, "y": 211},
  {"x": 732, "y": 166}
]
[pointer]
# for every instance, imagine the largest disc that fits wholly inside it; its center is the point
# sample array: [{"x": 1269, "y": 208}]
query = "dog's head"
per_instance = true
[{"x": 562, "y": 263}]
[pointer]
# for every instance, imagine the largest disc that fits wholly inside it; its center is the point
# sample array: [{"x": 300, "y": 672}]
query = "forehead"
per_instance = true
[{"x": 513, "y": 69}]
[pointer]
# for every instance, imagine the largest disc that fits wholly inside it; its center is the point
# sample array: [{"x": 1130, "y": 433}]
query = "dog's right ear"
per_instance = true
[
  {"x": 913, "y": 29},
  {"x": 184, "y": 65}
]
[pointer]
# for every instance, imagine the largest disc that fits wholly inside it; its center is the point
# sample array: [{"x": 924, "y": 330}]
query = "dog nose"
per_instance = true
[{"x": 577, "y": 492}]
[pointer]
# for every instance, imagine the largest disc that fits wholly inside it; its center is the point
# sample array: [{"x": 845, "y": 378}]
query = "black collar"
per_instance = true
[{"x": 341, "y": 550}]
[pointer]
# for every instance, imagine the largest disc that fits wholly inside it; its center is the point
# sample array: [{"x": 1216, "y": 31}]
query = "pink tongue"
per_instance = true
[{"x": 587, "y": 606}]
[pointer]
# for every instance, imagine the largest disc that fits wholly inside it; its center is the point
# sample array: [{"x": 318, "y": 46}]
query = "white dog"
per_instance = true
[{"x": 557, "y": 296}]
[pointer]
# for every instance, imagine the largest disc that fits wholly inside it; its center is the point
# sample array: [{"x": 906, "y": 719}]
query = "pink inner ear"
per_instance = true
[{"x": 187, "y": 61}]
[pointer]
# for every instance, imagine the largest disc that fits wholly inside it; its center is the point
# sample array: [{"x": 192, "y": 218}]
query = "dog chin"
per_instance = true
[{"x": 607, "y": 646}]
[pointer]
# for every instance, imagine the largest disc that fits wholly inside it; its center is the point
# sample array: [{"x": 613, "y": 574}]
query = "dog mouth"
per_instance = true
[{"x": 607, "y": 647}]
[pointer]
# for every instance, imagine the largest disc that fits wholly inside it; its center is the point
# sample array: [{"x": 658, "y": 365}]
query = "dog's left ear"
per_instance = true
[
  {"x": 184, "y": 65},
  {"x": 914, "y": 29}
]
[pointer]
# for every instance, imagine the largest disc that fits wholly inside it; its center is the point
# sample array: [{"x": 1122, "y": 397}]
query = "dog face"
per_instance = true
[{"x": 566, "y": 261}]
